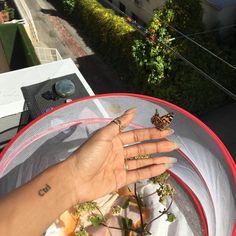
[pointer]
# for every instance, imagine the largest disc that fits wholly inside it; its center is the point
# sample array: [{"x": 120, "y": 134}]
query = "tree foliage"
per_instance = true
[
  {"x": 107, "y": 32},
  {"x": 69, "y": 6},
  {"x": 165, "y": 75},
  {"x": 153, "y": 60},
  {"x": 152, "y": 68}
]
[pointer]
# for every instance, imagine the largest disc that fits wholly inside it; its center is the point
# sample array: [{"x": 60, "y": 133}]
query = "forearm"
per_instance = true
[{"x": 30, "y": 209}]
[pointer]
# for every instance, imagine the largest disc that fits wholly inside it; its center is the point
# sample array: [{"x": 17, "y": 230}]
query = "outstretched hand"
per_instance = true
[{"x": 102, "y": 164}]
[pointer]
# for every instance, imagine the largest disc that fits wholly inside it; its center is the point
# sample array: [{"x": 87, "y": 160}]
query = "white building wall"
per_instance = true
[
  {"x": 143, "y": 9},
  {"x": 227, "y": 15},
  {"x": 218, "y": 17},
  {"x": 212, "y": 16}
]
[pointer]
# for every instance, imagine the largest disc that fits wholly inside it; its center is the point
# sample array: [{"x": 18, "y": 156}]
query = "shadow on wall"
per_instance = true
[{"x": 218, "y": 17}]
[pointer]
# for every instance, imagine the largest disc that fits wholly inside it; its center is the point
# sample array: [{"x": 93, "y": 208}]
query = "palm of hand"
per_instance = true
[
  {"x": 98, "y": 165},
  {"x": 101, "y": 163}
]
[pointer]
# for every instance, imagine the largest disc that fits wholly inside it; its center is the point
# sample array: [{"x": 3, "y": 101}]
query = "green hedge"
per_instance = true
[
  {"x": 109, "y": 34},
  {"x": 7, "y": 37},
  {"x": 149, "y": 68},
  {"x": 17, "y": 46},
  {"x": 29, "y": 51}
]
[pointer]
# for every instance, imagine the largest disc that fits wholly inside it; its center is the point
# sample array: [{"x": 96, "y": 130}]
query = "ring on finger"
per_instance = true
[
  {"x": 118, "y": 122},
  {"x": 140, "y": 156}
]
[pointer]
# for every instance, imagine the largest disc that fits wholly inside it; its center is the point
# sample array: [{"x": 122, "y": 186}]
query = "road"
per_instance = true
[{"x": 54, "y": 32}]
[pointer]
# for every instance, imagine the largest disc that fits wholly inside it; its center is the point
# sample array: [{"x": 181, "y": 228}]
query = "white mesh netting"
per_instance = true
[{"x": 203, "y": 161}]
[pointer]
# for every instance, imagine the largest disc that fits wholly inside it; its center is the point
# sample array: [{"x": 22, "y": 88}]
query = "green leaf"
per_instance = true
[
  {"x": 96, "y": 220},
  {"x": 171, "y": 217},
  {"x": 125, "y": 203},
  {"x": 116, "y": 210},
  {"x": 127, "y": 223},
  {"x": 84, "y": 207},
  {"x": 81, "y": 232}
]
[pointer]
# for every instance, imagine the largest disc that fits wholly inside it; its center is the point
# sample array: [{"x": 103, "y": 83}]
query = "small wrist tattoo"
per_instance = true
[{"x": 44, "y": 190}]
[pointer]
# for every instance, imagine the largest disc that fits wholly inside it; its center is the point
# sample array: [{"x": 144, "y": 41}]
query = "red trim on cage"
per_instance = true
[
  {"x": 224, "y": 150},
  {"x": 195, "y": 200},
  {"x": 227, "y": 155}
]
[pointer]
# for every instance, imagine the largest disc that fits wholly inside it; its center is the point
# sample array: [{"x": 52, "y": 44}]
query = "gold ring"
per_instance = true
[
  {"x": 118, "y": 122},
  {"x": 141, "y": 156}
]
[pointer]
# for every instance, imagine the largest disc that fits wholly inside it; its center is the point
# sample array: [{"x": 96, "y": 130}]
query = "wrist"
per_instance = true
[
  {"x": 73, "y": 178},
  {"x": 61, "y": 183}
]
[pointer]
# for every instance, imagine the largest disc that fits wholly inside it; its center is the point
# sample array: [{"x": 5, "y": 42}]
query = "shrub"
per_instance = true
[
  {"x": 7, "y": 38},
  {"x": 154, "y": 69},
  {"x": 29, "y": 52},
  {"x": 165, "y": 75},
  {"x": 108, "y": 33},
  {"x": 69, "y": 6},
  {"x": 10, "y": 10},
  {"x": 17, "y": 46}
]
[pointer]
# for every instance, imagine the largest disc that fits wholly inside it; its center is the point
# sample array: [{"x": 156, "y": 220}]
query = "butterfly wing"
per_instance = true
[
  {"x": 162, "y": 122},
  {"x": 156, "y": 120},
  {"x": 166, "y": 120},
  {"x": 158, "y": 123}
]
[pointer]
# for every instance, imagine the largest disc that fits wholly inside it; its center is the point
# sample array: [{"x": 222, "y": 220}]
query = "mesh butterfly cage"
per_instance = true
[{"x": 205, "y": 169}]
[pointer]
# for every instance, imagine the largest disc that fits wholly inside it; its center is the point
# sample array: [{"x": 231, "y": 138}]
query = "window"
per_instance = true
[{"x": 122, "y": 7}]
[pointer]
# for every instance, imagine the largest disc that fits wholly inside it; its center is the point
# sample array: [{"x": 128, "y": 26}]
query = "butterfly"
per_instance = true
[{"x": 162, "y": 122}]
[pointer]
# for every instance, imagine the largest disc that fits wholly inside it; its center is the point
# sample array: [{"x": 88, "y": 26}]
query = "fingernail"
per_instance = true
[
  {"x": 169, "y": 131},
  {"x": 131, "y": 110},
  {"x": 172, "y": 160},
  {"x": 168, "y": 165},
  {"x": 177, "y": 145}
]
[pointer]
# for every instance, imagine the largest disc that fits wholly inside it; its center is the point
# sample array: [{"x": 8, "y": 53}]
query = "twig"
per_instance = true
[
  {"x": 139, "y": 207},
  {"x": 164, "y": 212},
  {"x": 100, "y": 212},
  {"x": 150, "y": 194}
]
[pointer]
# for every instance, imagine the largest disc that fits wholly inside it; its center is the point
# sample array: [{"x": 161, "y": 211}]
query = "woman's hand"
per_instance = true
[
  {"x": 98, "y": 167},
  {"x": 101, "y": 164}
]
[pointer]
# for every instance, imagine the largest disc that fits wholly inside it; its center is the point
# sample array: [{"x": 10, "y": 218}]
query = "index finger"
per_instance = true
[{"x": 113, "y": 128}]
